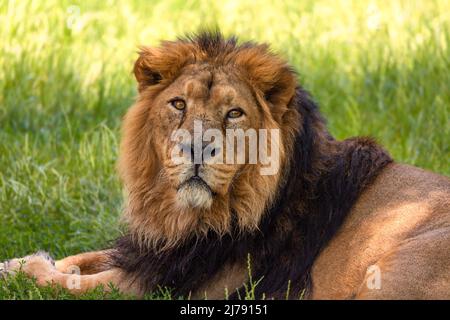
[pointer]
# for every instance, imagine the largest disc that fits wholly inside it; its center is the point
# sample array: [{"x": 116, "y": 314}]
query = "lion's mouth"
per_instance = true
[
  {"x": 196, "y": 182},
  {"x": 195, "y": 193}
]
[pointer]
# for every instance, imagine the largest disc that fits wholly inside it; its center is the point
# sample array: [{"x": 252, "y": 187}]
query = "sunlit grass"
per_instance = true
[{"x": 379, "y": 68}]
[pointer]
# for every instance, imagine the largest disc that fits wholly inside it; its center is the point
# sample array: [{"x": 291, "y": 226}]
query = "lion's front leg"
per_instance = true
[
  {"x": 43, "y": 269},
  {"x": 85, "y": 263}
]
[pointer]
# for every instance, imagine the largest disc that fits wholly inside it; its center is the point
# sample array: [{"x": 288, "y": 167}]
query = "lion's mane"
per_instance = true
[{"x": 321, "y": 180}]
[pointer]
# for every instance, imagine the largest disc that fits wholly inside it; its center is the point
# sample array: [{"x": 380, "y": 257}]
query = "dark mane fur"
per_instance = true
[{"x": 320, "y": 188}]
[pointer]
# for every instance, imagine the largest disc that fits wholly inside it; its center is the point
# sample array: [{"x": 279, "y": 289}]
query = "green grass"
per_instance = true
[{"x": 379, "y": 68}]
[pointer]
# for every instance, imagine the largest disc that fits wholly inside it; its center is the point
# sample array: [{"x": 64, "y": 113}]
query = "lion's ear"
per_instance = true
[
  {"x": 155, "y": 65},
  {"x": 269, "y": 73},
  {"x": 145, "y": 72}
]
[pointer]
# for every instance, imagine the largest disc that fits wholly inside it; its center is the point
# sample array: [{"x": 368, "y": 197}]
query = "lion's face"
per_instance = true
[
  {"x": 208, "y": 99},
  {"x": 181, "y": 182}
]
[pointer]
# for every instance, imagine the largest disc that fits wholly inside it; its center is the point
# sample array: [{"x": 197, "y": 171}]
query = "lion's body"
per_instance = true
[
  {"x": 400, "y": 225},
  {"x": 338, "y": 220}
]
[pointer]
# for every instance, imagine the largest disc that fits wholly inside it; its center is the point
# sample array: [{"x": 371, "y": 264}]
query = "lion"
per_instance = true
[{"x": 337, "y": 220}]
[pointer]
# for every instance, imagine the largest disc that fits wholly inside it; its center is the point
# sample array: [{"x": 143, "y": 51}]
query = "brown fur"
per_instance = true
[
  {"x": 152, "y": 212},
  {"x": 335, "y": 208}
]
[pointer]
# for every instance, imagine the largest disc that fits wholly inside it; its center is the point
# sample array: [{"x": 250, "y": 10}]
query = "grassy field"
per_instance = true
[{"x": 379, "y": 68}]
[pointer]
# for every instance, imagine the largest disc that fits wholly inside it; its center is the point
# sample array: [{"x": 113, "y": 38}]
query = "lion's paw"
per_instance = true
[{"x": 39, "y": 265}]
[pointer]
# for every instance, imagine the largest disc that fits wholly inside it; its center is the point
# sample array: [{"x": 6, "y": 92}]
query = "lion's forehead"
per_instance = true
[{"x": 213, "y": 85}]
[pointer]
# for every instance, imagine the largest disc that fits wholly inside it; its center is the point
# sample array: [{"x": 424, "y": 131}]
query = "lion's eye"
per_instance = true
[
  {"x": 178, "y": 104},
  {"x": 235, "y": 113}
]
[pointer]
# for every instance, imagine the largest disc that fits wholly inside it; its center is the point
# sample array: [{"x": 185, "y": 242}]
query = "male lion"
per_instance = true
[{"x": 338, "y": 220}]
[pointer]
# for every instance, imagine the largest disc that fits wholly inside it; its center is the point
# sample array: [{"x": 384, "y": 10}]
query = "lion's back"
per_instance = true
[{"x": 404, "y": 205}]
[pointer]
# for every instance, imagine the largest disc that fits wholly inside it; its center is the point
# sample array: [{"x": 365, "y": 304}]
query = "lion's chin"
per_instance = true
[{"x": 194, "y": 194}]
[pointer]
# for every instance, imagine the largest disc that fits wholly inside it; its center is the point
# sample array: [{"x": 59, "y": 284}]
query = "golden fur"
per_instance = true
[{"x": 152, "y": 212}]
